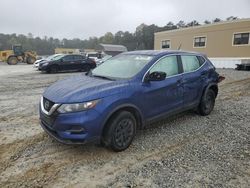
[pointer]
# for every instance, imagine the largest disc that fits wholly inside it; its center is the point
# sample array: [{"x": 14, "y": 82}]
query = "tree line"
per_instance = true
[{"x": 141, "y": 39}]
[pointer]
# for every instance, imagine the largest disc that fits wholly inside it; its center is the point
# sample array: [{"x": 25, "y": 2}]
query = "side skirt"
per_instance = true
[{"x": 170, "y": 113}]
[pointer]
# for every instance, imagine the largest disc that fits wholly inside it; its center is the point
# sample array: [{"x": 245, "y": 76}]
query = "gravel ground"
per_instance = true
[{"x": 186, "y": 150}]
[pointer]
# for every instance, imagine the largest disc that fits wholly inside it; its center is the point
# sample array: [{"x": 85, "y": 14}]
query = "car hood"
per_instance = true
[
  {"x": 83, "y": 88},
  {"x": 39, "y": 61},
  {"x": 43, "y": 62}
]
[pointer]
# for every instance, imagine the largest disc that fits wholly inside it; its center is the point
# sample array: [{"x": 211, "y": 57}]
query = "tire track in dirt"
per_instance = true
[
  {"x": 47, "y": 163},
  {"x": 105, "y": 175},
  {"x": 9, "y": 153},
  {"x": 235, "y": 89}
]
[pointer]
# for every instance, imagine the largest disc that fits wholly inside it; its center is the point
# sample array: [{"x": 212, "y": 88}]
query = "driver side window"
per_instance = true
[
  {"x": 68, "y": 58},
  {"x": 168, "y": 65}
]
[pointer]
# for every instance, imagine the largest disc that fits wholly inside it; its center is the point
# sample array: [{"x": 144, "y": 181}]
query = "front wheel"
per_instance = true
[
  {"x": 12, "y": 60},
  {"x": 120, "y": 131},
  {"x": 207, "y": 103},
  {"x": 53, "y": 69}
]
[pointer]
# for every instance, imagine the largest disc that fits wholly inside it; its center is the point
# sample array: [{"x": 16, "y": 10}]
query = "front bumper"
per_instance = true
[
  {"x": 72, "y": 128},
  {"x": 43, "y": 67}
]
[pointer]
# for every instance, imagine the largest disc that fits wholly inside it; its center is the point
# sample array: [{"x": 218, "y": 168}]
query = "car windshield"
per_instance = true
[
  {"x": 105, "y": 58},
  {"x": 58, "y": 57},
  {"x": 122, "y": 66},
  {"x": 51, "y": 57}
]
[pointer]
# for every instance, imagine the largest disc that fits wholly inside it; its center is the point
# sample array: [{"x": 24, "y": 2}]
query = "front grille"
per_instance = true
[
  {"x": 47, "y": 120},
  {"x": 47, "y": 104}
]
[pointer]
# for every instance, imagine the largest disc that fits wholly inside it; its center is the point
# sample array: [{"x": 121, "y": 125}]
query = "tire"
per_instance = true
[
  {"x": 86, "y": 68},
  {"x": 30, "y": 60},
  {"x": 120, "y": 131},
  {"x": 207, "y": 103},
  {"x": 12, "y": 60},
  {"x": 53, "y": 69}
]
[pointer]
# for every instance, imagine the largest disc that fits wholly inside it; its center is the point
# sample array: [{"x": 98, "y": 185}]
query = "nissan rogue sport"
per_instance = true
[{"x": 126, "y": 92}]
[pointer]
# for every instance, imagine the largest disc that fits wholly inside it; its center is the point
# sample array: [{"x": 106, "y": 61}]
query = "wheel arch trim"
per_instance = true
[
  {"x": 120, "y": 107},
  {"x": 209, "y": 86}
]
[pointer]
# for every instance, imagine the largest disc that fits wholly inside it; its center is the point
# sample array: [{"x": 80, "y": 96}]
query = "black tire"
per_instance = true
[
  {"x": 12, "y": 60},
  {"x": 86, "y": 68},
  {"x": 120, "y": 131},
  {"x": 53, "y": 69},
  {"x": 207, "y": 103},
  {"x": 30, "y": 60}
]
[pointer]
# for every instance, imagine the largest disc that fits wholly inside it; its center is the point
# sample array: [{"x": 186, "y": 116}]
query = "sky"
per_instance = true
[{"x": 85, "y": 18}]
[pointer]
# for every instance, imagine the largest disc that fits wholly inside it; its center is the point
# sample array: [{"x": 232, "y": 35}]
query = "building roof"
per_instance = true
[
  {"x": 112, "y": 47},
  {"x": 205, "y": 26},
  {"x": 160, "y": 52}
]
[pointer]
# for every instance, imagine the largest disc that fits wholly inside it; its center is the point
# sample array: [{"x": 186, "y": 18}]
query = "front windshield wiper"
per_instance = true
[{"x": 103, "y": 77}]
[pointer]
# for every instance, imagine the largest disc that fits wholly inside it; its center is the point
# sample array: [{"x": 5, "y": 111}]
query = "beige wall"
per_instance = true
[
  {"x": 66, "y": 51},
  {"x": 219, "y": 39}
]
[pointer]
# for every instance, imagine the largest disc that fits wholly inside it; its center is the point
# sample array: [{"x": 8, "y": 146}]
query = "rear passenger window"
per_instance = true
[
  {"x": 168, "y": 65},
  {"x": 190, "y": 63}
]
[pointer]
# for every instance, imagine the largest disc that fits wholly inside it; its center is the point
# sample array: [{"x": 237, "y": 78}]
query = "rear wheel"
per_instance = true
[
  {"x": 86, "y": 68},
  {"x": 30, "y": 60},
  {"x": 12, "y": 60},
  {"x": 120, "y": 131},
  {"x": 207, "y": 103}
]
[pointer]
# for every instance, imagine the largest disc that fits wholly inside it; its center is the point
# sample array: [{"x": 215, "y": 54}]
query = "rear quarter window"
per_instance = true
[
  {"x": 201, "y": 59},
  {"x": 190, "y": 63}
]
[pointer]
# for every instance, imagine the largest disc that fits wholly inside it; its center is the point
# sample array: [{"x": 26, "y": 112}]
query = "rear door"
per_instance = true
[
  {"x": 194, "y": 78},
  {"x": 78, "y": 62},
  {"x": 161, "y": 97}
]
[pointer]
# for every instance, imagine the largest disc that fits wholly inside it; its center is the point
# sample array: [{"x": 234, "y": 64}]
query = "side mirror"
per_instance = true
[
  {"x": 62, "y": 60},
  {"x": 156, "y": 76}
]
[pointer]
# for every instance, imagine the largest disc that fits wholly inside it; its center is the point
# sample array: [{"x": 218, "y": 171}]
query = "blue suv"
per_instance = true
[{"x": 128, "y": 91}]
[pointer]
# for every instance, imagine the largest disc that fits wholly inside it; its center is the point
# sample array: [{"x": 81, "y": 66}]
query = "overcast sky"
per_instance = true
[{"x": 85, "y": 18}]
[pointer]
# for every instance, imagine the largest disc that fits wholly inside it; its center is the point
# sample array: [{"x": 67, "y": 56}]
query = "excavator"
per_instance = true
[{"x": 17, "y": 54}]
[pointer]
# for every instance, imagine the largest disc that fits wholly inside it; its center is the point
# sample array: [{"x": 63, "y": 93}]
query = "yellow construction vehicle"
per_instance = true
[{"x": 18, "y": 55}]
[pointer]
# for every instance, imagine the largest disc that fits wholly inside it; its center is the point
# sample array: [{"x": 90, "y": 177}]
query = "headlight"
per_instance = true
[{"x": 77, "y": 107}]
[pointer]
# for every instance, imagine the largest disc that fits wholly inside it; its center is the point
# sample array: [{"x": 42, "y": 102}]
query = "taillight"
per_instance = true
[{"x": 221, "y": 78}]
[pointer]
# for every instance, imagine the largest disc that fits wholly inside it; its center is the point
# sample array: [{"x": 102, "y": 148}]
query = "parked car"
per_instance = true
[
  {"x": 102, "y": 60},
  {"x": 49, "y": 58},
  {"x": 96, "y": 56},
  {"x": 125, "y": 93},
  {"x": 66, "y": 63}
]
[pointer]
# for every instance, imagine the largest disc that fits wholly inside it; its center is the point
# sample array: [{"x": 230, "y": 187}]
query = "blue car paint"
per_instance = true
[{"x": 151, "y": 100}]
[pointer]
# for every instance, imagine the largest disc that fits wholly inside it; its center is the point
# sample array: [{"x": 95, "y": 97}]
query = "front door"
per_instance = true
[
  {"x": 162, "y": 97},
  {"x": 68, "y": 62}
]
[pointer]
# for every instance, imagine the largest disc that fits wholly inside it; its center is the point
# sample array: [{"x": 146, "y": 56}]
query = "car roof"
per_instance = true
[{"x": 160, "y": 52}]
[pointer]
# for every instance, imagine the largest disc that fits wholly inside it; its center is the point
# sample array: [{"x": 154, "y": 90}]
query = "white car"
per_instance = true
[
  {"x": 105, "y": 58},
  {"x": 36, "y": 64},
  {"x": 94, "y": 55},
  {"x": 49, "y": 58}
]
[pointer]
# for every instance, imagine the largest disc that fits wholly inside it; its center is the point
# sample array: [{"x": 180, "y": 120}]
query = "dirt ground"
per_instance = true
[{"x": 186, "y": 150}]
